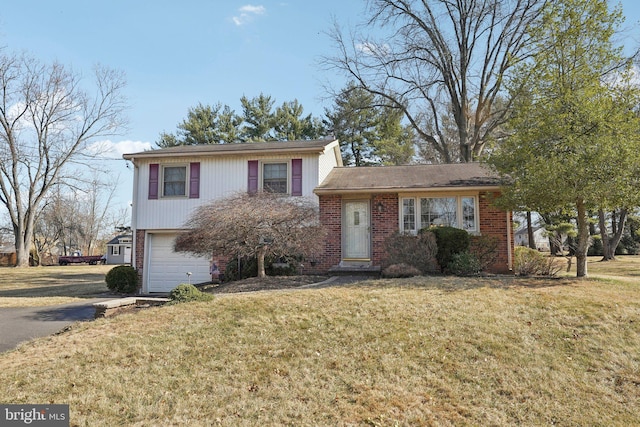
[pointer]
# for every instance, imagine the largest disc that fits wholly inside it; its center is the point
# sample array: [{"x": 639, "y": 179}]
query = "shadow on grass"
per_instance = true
[
  {"x": 84, "y": 290},
  {"x": 453, "y": 283}
]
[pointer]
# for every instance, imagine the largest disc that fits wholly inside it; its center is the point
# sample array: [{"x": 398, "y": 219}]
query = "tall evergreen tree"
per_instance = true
[
  {"x": 369, "y": 131},
  {"x": 258, "y": 117},
  {"x": 289, "y": 123},
  {"x": 575, "y": 142},
  {"x": 354, "y": 122},
  {"x": 219, "y": 124}
]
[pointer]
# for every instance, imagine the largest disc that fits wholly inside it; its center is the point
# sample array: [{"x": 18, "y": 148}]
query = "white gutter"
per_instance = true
[{"x": 403, "y": 190}]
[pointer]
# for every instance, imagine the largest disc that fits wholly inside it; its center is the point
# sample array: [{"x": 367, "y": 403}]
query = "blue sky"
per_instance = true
[{"x": 178, "y": 54}]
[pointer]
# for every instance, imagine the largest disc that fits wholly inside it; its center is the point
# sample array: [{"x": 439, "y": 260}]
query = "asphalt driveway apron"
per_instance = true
[{"x": 25, "y": 323}]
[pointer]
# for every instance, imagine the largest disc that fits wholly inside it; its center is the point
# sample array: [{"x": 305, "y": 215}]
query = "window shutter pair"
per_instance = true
[
  {"x": 194, "y": 180},
  {"x": 296, "y": 177}
]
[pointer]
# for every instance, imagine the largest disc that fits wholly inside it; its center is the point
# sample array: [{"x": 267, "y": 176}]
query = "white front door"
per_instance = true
[
  {"x": 356, "y": 230},
  {"x": 127, "y": 254}
]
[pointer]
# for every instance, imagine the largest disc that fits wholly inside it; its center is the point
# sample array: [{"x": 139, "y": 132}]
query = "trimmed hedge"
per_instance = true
[
  {"x": 450, "y": 241},
  {"x": 122, "y": 279},
  {"x": 186, "y": 293},
  {"x": 416, "y": 251}
]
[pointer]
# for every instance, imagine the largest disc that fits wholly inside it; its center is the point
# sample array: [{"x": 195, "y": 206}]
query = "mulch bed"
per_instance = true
[{"x": 264, "y": 284}]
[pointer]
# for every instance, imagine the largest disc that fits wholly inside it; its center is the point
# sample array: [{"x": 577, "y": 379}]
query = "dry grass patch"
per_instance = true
[
  {"x": 625, "y": 267},
  {"x": 405, "y": 352},
  {"x": 39, "y": 286}
]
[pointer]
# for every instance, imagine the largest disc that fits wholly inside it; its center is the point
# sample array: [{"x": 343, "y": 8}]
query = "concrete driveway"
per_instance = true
[{"x": 25, "y": 323}]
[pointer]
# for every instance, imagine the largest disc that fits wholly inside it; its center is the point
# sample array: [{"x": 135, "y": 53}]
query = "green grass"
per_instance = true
[
  {"x": 39, "y": 286},
  {"x": 421, "y": 351}
]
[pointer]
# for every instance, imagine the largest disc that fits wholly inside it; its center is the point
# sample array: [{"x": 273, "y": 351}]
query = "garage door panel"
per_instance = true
[{"x": 167, "y": 269}]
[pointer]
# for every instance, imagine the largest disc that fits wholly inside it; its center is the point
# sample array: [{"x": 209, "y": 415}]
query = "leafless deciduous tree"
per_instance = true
[
  {"x": 254, "y": 225},
  {"x": 76, "y": 219},
  {"x": 46, "y": 119},
  {"x": 442, "y": 62}
]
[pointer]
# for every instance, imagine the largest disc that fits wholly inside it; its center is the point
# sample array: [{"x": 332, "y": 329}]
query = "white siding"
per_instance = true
[
  {"x": 219, "y": 177},
  {"x": 327, "y": 162}
]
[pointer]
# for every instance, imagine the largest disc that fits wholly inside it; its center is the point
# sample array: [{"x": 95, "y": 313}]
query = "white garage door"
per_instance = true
[{"x": 167, "y": 269}]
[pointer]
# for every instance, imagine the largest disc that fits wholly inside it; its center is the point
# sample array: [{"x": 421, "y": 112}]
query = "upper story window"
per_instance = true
[
  {"x": 274, "y": 177},
  {"x": 174, "y": 181},
  {"x": 421, "y": 212},
  {"x": 282, "y": 177}
]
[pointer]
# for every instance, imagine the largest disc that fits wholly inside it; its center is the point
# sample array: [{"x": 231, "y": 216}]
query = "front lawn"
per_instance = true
[
  {"x": 40, "y": 286},
  {"x": 421, "y": 351}
]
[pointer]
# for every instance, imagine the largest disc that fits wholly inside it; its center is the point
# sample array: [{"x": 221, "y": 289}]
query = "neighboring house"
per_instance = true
[
  {"x": 7, "y": 255},
  {"x": 361, "y": 207},
  {"x": 539, "y": 237},
  {"x": 119, "y": 249},
  {"x": 170, "y": 183}
]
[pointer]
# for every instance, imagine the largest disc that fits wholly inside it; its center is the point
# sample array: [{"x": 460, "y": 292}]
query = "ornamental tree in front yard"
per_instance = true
[
  {"x": 254, "y": 225},
  {"x": 575, "y": 144}
]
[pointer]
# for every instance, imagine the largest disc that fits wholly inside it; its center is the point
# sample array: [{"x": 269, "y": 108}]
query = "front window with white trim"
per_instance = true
[
  {"x": 174, "y": 181},
  {"x": 454, "y": 211}
]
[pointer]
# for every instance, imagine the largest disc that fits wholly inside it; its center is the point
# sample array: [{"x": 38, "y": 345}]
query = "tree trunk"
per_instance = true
[
  {"x": 610, "y": 243},
  {"x": 260, "y": 255},
  {"x": 22, "y": 254},
  {"x": 22, "y": 244},
  {"x": 583, "y": 239},
  {"x": 530, "y": 236},
  {"x": 604, "y": 235}
]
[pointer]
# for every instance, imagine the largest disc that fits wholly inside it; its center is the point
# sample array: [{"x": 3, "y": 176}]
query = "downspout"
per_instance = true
[
  {"x": 509, "y": 242},
  {"x": 134, "y": 215}
]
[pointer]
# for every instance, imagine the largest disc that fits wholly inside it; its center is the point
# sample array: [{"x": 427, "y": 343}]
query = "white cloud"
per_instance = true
[
  {"x": 373, "y": 49},
  {"x": 248, "y": 13},
  {"x": 114, "y": 150}
]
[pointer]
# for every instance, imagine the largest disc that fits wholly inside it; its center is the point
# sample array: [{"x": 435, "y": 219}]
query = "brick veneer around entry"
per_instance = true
[{"x": 385, "y": 222}]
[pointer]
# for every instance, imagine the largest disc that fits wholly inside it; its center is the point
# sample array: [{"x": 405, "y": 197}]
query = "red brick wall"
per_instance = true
[
  {"x": 495, "y": 222},
  {"x": 384, "y": 223},
  {"x": 331, "y": 220},
  {"x": 138, "y": 263}
]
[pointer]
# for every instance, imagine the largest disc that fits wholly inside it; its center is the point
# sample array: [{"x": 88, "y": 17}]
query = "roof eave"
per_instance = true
[
  {"x": 287, "y": 150},
  {"x": 378, "y": 190}
]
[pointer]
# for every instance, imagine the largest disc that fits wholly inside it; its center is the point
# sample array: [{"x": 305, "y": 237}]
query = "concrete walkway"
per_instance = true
[{"x": 22, "y": 324}]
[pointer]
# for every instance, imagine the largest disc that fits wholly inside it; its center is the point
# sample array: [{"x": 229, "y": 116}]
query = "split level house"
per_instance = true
[{"x": 360, "y": 207}]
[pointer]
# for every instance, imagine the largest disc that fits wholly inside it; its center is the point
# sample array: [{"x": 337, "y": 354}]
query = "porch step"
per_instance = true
[{"x": 355, "y": 270}]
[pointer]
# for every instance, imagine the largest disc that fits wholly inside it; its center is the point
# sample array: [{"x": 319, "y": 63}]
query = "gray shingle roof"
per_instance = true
[
  {"x": 313, "y": 146},
  {"x": 408, "y": 178}
]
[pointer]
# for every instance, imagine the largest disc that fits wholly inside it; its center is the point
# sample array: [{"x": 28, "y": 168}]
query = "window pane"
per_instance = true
[
  {"x": 274, "y": 177},
  {"x": 408, "y": 215},
  {"x": 174, "y": 181},
  {"x": 469, "y": 213},
  {"x": 439, "y": 211}
]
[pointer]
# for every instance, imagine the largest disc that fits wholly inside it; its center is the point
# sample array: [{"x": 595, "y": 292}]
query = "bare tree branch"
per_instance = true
[
  {"x": 442, "y": 63},
  {"x": 46, "y": 119},
  {"x": 254, "y": 225}
]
